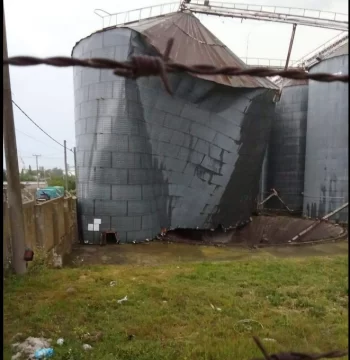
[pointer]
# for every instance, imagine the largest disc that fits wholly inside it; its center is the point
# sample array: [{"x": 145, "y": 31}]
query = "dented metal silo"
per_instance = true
[
  {"x": 147, "y": 159},
  {"x": 286, "y": 154},
  {"x": 263, "y": 188},
  {"x": 327, "y": 142}
]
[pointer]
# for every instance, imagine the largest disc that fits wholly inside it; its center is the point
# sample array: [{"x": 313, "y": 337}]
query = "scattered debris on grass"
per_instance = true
[
  {"x": 92, "y": 337},
  {"x": 244, "y": 323},
  {"x": 215, "y": 308},
  {"x": 122, "y": 300},
  {"x": 113, "y": 283},
  {"x": 269, "y": 340},
  {"x": 16, "y": 356},
  {"x": 87, "y": 347},
  {"x": 29, "y": 346},
  {"x": 57, "y": 261},
  {"x": 71, "y": 290},
  {"x": 60, "y": 341},
  {"x": 43, "y": 353}
]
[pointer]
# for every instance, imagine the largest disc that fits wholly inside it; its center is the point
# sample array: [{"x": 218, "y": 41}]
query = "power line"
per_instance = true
[
  {"x": 43, "y": 156},
  {"x": 32, "y": 137},
  {"x": 38, "y": 126}
]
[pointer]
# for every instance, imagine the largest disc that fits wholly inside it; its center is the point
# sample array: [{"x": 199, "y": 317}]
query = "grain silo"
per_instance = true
[
  {"x": 147, "y": 159},
  {"x": 286, "y": 155},
  {"x": 327, "y": 141}
]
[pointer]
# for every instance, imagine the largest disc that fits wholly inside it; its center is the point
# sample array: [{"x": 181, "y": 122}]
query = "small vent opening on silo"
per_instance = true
[{"x": 109, "y": 237}]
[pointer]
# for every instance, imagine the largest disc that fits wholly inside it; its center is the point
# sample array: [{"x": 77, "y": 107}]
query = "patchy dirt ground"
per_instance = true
[
  {"x": 262, "y": 230},
  {"x": 157, "y": 253},
  {"x": 268, "y": 234}
]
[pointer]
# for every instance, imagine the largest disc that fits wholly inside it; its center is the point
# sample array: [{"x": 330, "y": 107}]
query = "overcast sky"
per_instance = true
[{"x": 50, "y": 28}]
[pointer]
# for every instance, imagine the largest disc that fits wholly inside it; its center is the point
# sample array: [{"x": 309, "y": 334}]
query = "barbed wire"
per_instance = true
[
  {"x": 298, "y": 356},
  {"x": 144, "y": 65}
]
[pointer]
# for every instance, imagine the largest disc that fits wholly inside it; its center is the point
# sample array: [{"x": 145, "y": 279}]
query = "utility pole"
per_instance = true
[
  {"x": 65, "y": 163},
  {"x": 37, "y": 167},
  {"x": 75, "y": 164},
  {"x": 13, "y": 181}
]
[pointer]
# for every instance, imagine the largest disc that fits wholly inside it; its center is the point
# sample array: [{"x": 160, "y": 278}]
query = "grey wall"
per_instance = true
[
  {"x": 147, "y": 160},
  {"x": 326, "y": 163},
  {"x": 286, "y": 157}
]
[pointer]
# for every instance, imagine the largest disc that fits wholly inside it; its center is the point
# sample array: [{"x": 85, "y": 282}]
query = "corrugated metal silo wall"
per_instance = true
[
  {"x": 148, "y": 160},
  {"x": 263, "y": 189},
  {"x": 286, "y": 158},
  {"x": 326, "y": 162}
]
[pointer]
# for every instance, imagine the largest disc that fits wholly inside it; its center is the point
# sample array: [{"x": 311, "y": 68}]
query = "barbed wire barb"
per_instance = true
[
  {"x": 298, "y": 356},
  {"x": 145, "y": 65}
]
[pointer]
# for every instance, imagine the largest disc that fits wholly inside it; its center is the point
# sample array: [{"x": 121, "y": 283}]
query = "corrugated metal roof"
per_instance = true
[
  {"x": 296, "y": 82},
  {"x": 342, "y": 50},
  {"x": 193, "y": 44}
]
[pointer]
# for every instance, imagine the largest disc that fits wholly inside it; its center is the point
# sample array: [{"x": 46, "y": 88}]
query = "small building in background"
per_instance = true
[{"x": 29, "y": 185}]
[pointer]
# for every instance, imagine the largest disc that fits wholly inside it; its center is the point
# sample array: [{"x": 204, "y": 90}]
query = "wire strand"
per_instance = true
[
  {"x": 20, "y": 109},
  {"x": 32, "y": 137},
  {"x": 144, "y": 65}
]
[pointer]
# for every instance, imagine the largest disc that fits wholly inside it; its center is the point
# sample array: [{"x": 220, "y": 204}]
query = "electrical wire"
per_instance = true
[
  {"x": 57, "y": 142},
  {"x": 32, "y": 137},
  {"x": 43, "y": 157}
]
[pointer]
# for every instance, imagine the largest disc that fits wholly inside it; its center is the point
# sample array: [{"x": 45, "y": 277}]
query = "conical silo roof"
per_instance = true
[{"x": 194, "y": 44}]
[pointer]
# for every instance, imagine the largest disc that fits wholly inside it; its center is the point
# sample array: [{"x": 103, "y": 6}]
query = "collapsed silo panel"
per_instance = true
[
  {"x": 326, "y": 162},
  {"x": 149, "y": 160},
  {"x": 286, "y": 158}
]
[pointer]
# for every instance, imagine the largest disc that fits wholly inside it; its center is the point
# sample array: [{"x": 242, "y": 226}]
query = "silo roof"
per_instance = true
[
  {"x": 342, "y": 50},
  {"x": 294, "y": 82},
  {"x": 194, "y": 44}
]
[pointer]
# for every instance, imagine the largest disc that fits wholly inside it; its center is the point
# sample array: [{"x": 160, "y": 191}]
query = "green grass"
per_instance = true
[{"x": 301, "y": 303}]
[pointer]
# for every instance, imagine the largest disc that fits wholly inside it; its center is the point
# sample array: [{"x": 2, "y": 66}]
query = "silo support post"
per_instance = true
[{"x": 290, "y": 46}]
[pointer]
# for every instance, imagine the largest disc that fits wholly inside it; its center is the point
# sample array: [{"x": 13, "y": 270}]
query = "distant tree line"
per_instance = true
[{"x": 53, "y": 177}]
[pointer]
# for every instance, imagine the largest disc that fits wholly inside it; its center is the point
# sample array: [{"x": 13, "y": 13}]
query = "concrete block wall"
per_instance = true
[
  {"x": 50, "y": 225},
  {"x": 148, "y": 160}
]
